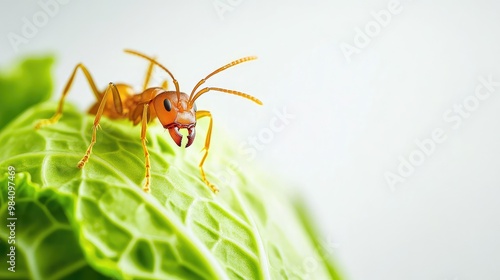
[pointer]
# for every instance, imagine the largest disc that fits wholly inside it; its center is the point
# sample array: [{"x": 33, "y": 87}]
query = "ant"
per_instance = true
[{"x": 175, "y": 109}]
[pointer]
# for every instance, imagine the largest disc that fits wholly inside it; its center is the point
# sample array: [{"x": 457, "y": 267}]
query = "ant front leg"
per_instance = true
[
  {"x": 199, "y": 115},
  {"x": 119, "y": 109},
  {"x": 145, "y": 119},
  {"x": 59, "y": 111}
]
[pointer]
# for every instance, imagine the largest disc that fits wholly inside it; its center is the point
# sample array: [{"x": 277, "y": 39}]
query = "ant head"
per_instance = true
[
  {"x": 175, "y": 112},
  {"x": 176, "y": 109}
]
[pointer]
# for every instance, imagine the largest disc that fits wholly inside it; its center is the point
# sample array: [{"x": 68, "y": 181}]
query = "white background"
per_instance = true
[{"x": 354, "y": 116}]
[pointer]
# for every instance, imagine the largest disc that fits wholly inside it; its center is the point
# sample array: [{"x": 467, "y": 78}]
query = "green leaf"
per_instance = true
[
  {"x": 44, "y": 242},
  {"x": 27, "y": 84},
  {"x": 97, "y": 223}
]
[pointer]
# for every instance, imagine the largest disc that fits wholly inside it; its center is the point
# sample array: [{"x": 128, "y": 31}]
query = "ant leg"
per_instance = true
[
  {"x": 145, "y": 148},
  {"x": 164, "y": 85},
  {"x": 199, "y": 115},
  {"x": 59, "y": 111},
  {"x": 148, "y": 75},
  {"x": 98, "y": 115}
]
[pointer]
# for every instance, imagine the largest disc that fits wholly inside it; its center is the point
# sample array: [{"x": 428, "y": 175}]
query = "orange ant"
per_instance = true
[{"x": 175, "y": 109}]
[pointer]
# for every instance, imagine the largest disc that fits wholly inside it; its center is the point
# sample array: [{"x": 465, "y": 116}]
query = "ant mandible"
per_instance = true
[{"x": 175, "y": 109}]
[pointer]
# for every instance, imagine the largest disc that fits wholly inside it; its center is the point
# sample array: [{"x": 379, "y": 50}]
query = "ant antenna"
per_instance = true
[
  {"x": 159, "y": 65},
  {"x": 193, "y": 96},
  {"x": 238, "y": 93}
]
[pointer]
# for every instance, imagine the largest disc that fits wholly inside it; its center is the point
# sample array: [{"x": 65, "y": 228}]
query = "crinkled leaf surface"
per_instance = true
[
  {"x": 46, "y": 246},
  {"x": 98, "y": 223}
]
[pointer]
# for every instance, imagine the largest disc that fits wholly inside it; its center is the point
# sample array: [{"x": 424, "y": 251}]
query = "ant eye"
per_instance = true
[
  {"x": 194, "y": 107},
  {"x": 167, "y": 105}
]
